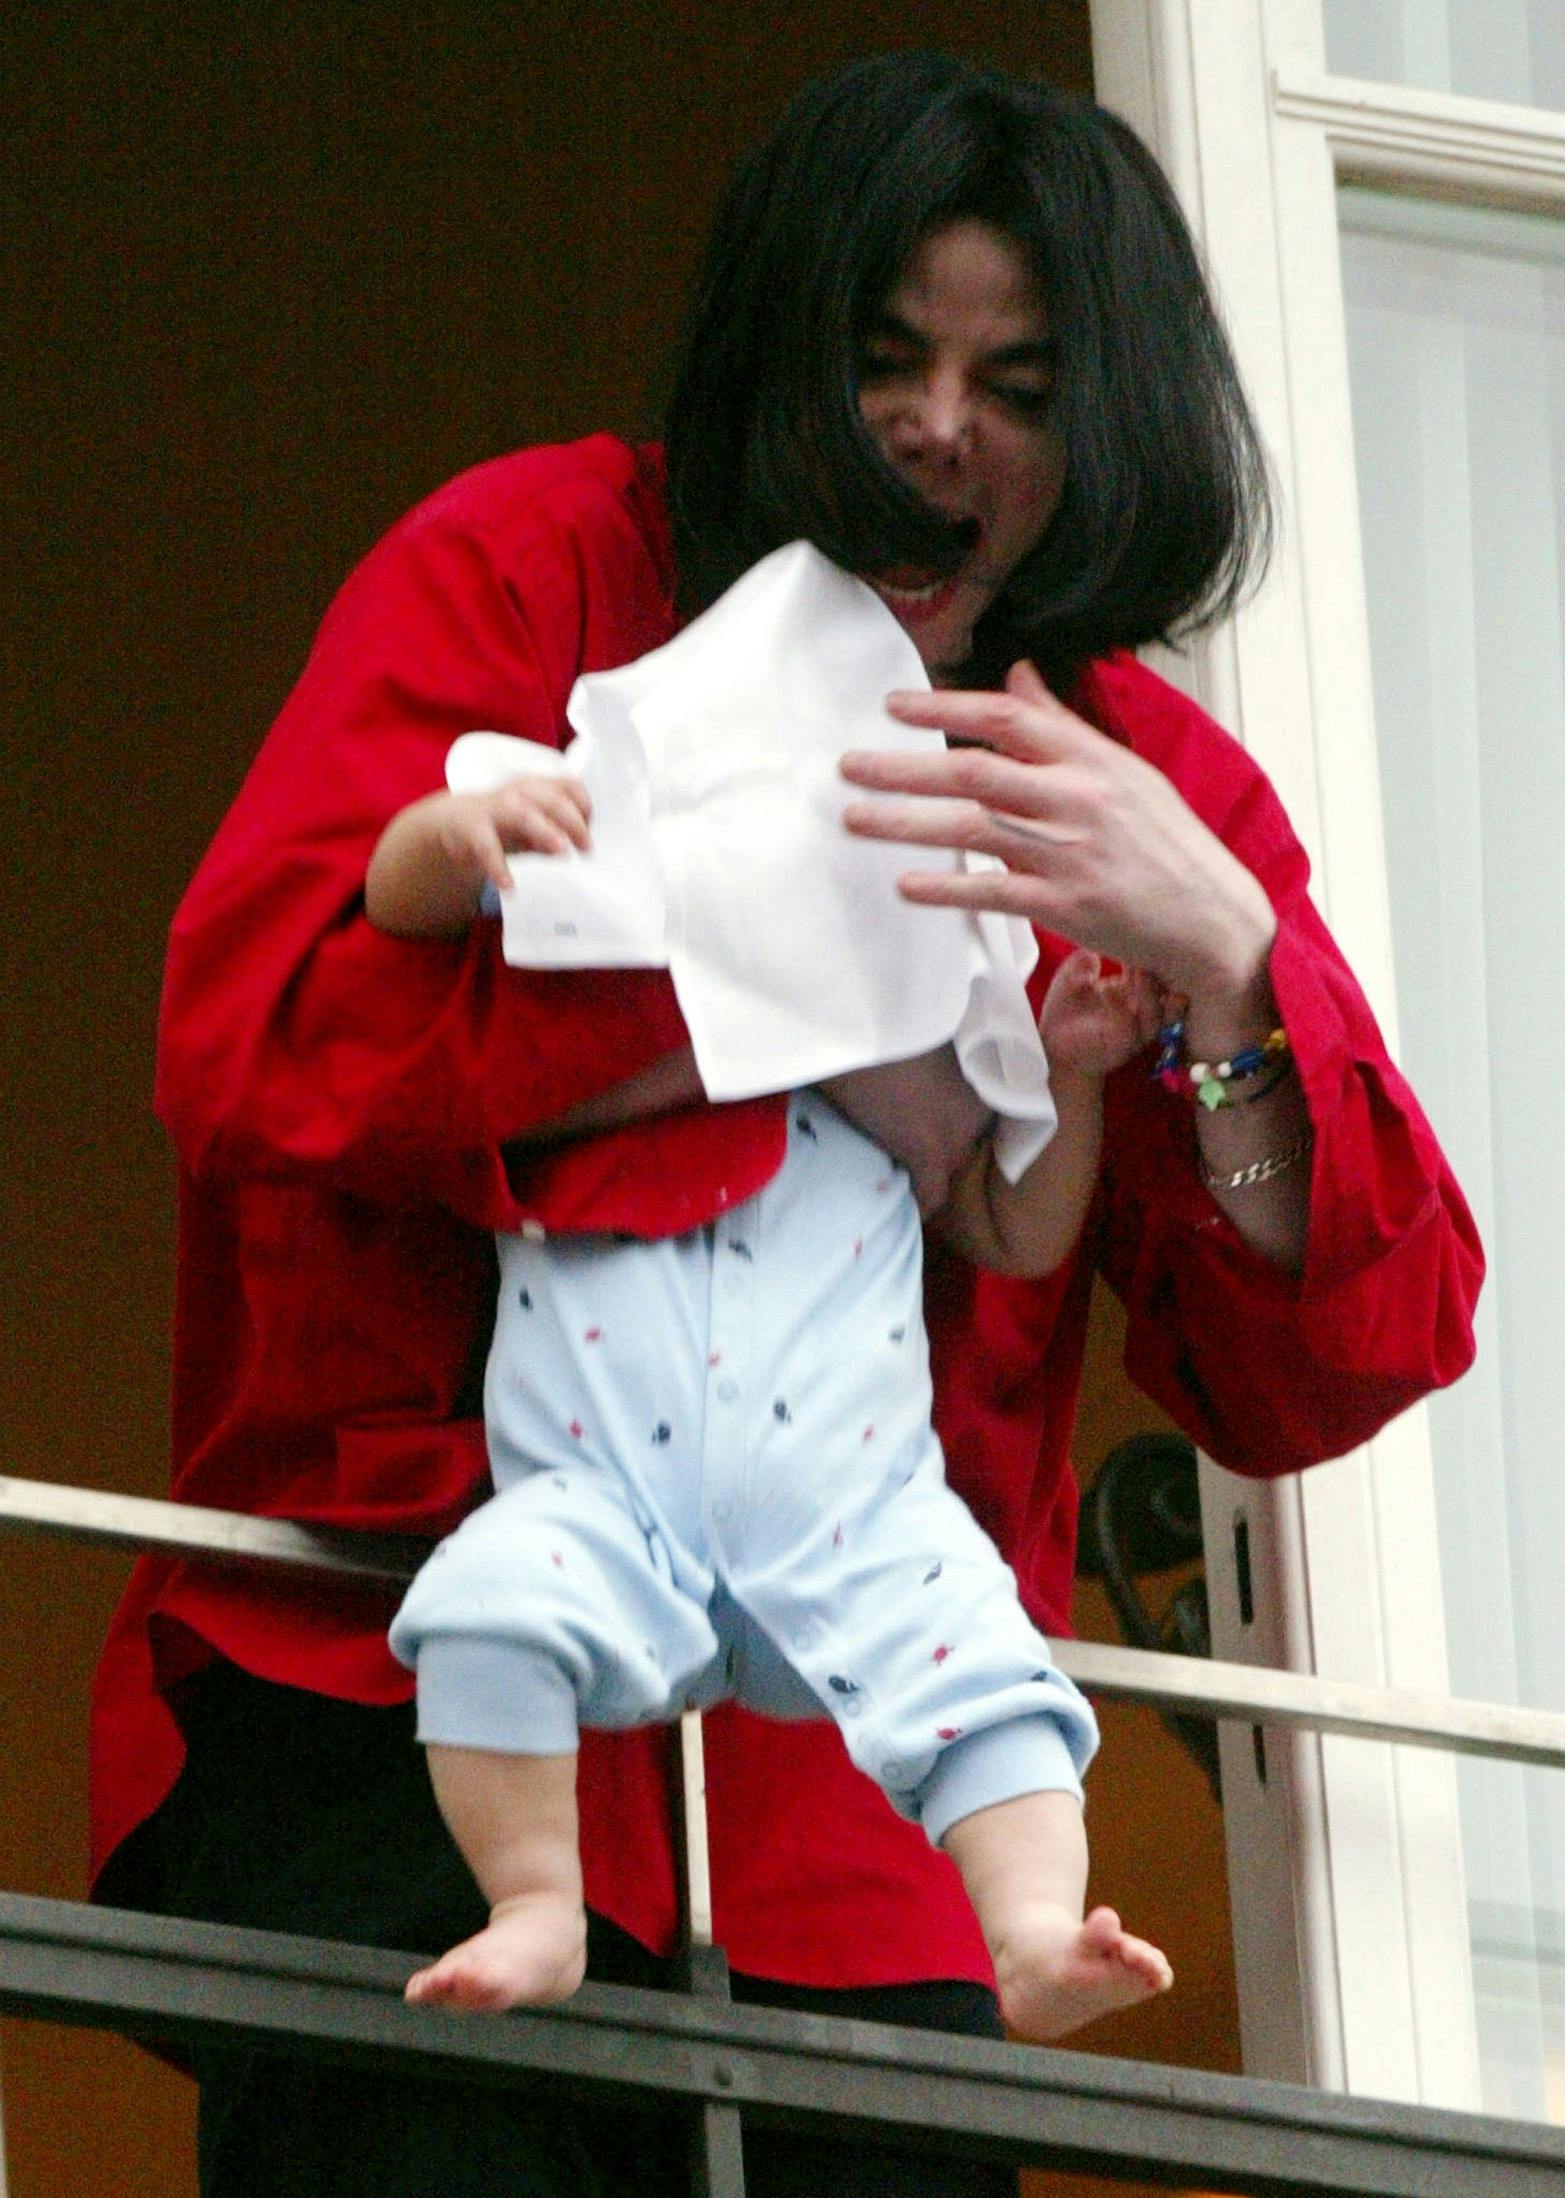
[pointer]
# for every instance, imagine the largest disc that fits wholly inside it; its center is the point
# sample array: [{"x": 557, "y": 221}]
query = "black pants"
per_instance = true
[{"x": 299, "y": 1814}]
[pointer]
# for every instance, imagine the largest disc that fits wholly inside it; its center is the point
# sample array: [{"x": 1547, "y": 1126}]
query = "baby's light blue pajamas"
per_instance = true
[{"x": 717, "y": 1476}]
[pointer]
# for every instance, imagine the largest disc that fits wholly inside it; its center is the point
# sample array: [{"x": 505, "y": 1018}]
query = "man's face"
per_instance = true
[{"x": 956, "y": 384}]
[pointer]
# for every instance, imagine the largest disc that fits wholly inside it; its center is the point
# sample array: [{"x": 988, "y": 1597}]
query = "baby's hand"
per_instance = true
[
  {"x": 1093, "y": 1020},
  {"x": 424, "y": 877},
  {"x": 526, "y": 816},
  {"x": 923, "y": 1111}
]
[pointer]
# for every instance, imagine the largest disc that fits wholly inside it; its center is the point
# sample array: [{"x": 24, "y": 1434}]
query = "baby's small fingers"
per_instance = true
[
  {"x": 1144, "y": 1001},
  {"x": 490, "y": 852},
  {"x": 576, "y": 794},
  {"x": 540, "y": 818},
  {"x": 473, "y": 847},
  {"x": 545, "y": 835},
  {"x": 567, "y": 804},
  {"x": 1082, "y": 967}
]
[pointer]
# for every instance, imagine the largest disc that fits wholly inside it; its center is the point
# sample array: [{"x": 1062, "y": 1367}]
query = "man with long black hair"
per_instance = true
[{"x": 1295, "y": 1260}]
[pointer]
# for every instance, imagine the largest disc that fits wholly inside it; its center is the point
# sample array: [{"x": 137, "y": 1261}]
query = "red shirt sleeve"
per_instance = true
[
  {"x": 295, "y": 1039},
  {"x": 1268, "y": 1371}
]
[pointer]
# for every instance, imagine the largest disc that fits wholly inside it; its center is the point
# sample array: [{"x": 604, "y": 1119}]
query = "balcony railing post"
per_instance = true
[{"x": 717, "y": 2136}]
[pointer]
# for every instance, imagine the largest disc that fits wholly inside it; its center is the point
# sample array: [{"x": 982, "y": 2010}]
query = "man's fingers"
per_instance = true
[
  {"x": 919, "y": 823},
  {"x": 1025, "y": 720},
  {"x": 1001, "y": 890},
  {"x": 966, "y": 827},
  {"x": 1023, "y": 681},
  {"x": 978, "y": 775}
]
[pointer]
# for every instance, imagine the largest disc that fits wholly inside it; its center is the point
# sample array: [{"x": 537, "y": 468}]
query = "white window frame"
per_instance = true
[{"x": 1349, "y": 1911}]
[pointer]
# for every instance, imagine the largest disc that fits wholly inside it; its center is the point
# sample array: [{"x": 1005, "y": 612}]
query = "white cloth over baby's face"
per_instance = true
[{"x": 718, "y": 852}]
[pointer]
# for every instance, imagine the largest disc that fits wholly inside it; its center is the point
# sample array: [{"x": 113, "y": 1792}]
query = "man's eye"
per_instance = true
[
  {"x": 882, "y": 366},
  {"x": 1025, "y": 398}
]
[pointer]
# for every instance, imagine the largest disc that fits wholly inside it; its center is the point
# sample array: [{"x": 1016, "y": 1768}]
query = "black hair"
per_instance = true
[{"x": 1165, "y": 512}]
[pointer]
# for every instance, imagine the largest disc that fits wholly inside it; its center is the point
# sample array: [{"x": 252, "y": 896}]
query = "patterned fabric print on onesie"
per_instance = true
[{"x": 716, "y": 1474}]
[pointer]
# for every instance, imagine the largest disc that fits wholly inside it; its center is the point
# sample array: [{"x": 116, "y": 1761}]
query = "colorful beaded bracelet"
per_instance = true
[{"x": 1211, "y": 1083}]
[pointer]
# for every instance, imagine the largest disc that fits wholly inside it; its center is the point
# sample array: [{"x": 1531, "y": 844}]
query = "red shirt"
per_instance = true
[{"x": 340, "y": 1100}]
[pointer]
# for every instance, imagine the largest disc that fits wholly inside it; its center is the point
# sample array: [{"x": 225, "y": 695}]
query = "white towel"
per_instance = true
[{"x": 718, "y": 853}]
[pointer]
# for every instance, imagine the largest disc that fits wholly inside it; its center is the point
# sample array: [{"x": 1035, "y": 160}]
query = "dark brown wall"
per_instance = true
[{"x": 270, "y": 276}]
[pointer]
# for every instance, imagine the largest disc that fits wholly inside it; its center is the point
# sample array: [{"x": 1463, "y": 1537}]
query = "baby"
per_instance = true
[{"x": 717, "y": 1477}]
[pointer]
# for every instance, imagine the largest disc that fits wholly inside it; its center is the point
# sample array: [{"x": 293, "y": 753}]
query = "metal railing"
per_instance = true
[
  {"x": 695, "y": 2052},
  {"x": 1206, "y": 1688},
  {"x": 171, "y": 1982}
]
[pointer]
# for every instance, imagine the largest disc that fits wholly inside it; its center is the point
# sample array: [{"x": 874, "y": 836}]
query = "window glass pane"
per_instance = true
[
  {"x": 1489, "y": 49},
  {"x": 1456, "y": 324}
]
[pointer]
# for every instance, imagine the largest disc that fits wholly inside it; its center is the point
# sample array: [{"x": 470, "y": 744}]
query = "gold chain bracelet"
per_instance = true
[{"x": 1259, "y": 1171}]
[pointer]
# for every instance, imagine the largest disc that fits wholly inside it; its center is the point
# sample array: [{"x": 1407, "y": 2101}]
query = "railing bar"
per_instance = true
[
  {"x": 970, "y": 2097},
  {"x": 716, "y": 2134},
  {"x": 717, "y": 2153},
  {"x": 1191, "y": 1684},
  {"x": 697, "y": 1857},
  {"x": 1262, "y": 1696},
  {"x": 148, "y": 1524}
]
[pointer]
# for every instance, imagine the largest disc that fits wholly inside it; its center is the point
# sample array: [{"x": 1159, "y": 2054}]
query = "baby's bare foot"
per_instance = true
[
  {"x": 533, "y": 1952},
  {"x": 1055, "y": 1974}
]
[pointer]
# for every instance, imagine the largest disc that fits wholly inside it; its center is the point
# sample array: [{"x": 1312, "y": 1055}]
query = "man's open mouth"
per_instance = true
[{"x": 906, "y": 591}]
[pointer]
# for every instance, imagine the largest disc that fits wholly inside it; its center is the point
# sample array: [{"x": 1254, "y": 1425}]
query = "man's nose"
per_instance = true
[{"x": 938, "y": 419}]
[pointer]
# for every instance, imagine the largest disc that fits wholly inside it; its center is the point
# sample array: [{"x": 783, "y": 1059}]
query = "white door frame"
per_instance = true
[{"x": 1349, "y": 1910}]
